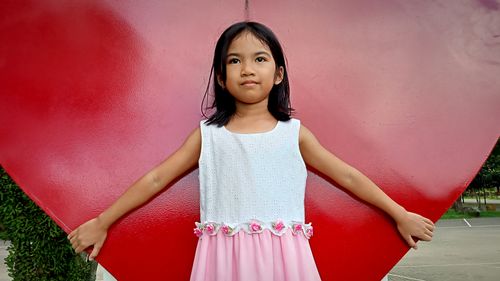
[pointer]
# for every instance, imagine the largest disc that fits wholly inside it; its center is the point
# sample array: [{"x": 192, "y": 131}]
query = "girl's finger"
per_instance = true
[
  {"x": 95, "y": 252},
  {"x": 74, "y": 243},
  {"x": 425, "y": 237},
  {"x": 80, "y": 249},
  {"x": 425, "y": 233},
  {"x": 429, "y": 223},
  {"x": 430, "y": 227},
  {"x": 410, "y": 241}
]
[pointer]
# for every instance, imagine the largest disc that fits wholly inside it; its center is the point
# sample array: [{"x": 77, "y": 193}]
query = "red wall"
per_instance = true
[{"x": 96, "y": 93}]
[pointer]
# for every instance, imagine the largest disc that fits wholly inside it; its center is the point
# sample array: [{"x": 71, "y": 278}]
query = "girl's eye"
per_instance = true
[
  {"x": 260, "y": 59},
  {"x": 233, "y": 61}
]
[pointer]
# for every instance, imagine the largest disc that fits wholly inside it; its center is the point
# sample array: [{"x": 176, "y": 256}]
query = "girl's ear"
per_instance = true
[
  {"x": 278, "y": 77},
  {"x": 220, "y": 82}
]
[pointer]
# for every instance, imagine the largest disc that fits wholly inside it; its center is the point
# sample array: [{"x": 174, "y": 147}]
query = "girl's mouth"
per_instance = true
[{"x": 249, "y": 83}]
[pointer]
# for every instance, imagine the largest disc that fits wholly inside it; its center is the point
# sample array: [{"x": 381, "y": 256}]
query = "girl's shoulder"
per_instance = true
[
  {"x": 209, "y": 128},
  {"x": 204, "y": 124},
  {"x": 292, "y": 122}
]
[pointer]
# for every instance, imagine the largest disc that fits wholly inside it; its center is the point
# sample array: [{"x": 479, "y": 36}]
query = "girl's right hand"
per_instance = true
[{"x": 90, "y": 233}]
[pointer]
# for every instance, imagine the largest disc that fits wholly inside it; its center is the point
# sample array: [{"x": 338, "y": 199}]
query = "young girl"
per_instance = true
[{"x": 251, "y": 156}]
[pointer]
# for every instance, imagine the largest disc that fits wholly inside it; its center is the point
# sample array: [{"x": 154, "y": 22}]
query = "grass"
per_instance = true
[
  {"x": 3, "y": 232},
  {"x": 452, "y": 214}
]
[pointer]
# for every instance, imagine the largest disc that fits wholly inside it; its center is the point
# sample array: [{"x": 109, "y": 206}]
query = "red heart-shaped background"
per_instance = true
[{"x": 96, "y": 93}]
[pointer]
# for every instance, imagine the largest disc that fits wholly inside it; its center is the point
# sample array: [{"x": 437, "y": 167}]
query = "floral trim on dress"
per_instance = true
[{"x": 277, "y": 227}]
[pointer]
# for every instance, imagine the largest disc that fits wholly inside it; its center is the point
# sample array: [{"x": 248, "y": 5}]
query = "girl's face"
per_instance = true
[{"x": 250, "y": 70}]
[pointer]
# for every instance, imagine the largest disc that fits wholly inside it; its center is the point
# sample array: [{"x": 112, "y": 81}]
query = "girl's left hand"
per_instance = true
[{"x": 417, "y": 226}]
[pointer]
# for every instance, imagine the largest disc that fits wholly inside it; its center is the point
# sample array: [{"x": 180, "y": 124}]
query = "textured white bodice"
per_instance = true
[{"x": 258, "y": 177}]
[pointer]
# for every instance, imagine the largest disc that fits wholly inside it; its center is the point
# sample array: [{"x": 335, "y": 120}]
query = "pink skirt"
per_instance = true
[{"x": 252, "y": 257}]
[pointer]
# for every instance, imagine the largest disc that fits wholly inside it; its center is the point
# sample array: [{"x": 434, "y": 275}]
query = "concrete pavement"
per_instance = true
[
  {"x": 3, "y": 268},
  {"x": 461, "y": 250},
  {"x": 488, "y": 201}
]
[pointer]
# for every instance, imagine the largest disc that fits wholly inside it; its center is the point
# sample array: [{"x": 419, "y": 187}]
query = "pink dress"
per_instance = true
[{"x": 252, "y": 207}]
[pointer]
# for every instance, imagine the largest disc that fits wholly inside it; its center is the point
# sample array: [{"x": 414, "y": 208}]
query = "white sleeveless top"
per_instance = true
[{"x": 252, "y": 182}]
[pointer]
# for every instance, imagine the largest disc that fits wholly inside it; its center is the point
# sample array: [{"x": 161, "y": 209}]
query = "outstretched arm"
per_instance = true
[
  {"x": 315, "y": 155},
  {"x": 94, "y": 231}
]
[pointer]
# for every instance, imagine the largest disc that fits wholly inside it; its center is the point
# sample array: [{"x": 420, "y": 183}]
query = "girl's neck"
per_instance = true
[
  {"x": 257, "y": 111},
  {"x": 250, "y": 118}
]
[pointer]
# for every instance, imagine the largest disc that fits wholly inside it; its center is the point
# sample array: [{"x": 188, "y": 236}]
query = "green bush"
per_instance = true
[{"x": 39, "y": 249}]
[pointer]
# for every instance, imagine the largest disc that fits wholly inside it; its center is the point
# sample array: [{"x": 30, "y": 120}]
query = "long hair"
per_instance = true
[{"x": 224, "y": 103}]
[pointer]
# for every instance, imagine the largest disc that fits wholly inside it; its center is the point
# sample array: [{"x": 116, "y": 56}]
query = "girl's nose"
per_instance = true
[{"x": 246, "y": 69}]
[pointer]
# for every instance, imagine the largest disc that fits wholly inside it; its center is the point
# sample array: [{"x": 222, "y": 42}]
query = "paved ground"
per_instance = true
[
  {"x": 3, "y": 255},
  {"x": 462, "y": 250},
  {"x": 494, "y": 203},
  {"x": 489, "y": 201}
]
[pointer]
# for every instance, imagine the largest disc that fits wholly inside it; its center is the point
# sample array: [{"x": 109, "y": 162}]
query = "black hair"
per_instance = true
[{"x": 224, "y": 103}]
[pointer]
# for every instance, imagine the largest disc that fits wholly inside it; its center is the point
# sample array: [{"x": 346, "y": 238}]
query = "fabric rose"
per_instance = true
[
  {"x": 278, "y": 225},
  {"x": 296, "y": 227},
  {"x": 198, "y": 232},
  {"x": 226, "y": 229},
  {"x": 209, "y": 228},
  {"x": 309, "y": 232},
  {"x": 255, "y": 226}
]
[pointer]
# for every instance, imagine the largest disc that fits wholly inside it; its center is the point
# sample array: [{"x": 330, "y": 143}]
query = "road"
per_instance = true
[{"x": 461, "y": 250}]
